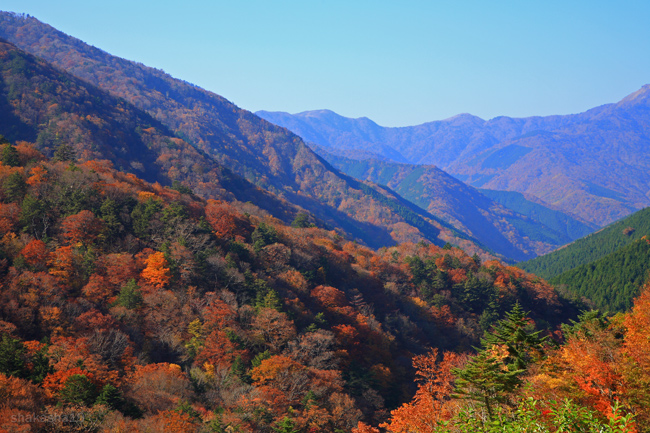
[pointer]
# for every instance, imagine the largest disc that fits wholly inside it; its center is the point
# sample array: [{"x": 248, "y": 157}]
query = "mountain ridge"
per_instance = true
[
  {"x": 269, "y": 156},
  {"x": 574, "y": 162}
]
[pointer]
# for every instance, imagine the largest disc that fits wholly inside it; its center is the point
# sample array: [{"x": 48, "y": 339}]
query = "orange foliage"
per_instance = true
[
  {"x": 54, "y": 382},
  {"x": 118, "y": 268},
  {"x": 64, "y": 263},
  {"x": 38, "y": 174},
  {"x": 158, "y": 387},
  {"x": 177, "y": 422},
  {"x": 431, "y": 403},
  {"x": 9, "y": 215},
  {"x": 156, "y": 273},
  {"x": 218, "y": 350},
  {"x": 223, "y": 218},
  {"x": 98, "y": 290}
]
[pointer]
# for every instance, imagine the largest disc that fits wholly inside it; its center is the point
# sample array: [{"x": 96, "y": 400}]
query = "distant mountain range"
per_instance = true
[
  {"x": 593, "y": 164},
  {"x": 532, "y": 230}
]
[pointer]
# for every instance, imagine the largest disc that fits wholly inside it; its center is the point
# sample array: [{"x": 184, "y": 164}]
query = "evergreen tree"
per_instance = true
[
  {"x": 517, "y": 335},
  {"x": 301, "y": 221},
  {"x": 485, "y": 381},
  {"x": 64, "y": 152},
  {"x": 9, "y": 155}
]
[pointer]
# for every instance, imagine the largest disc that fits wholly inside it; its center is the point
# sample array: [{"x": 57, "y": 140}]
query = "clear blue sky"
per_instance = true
[{"x": 396, "y": 62}]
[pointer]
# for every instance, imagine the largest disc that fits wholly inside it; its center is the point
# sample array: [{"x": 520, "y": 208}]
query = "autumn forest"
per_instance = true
[{"x": 172, "y": 263}]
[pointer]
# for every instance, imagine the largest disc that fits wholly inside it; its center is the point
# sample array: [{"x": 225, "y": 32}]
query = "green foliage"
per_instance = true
[
  {"x": 263, "y": 235},
  {"x": 484, "y": 380},
  {"x": 515, "y": 332},
  {"x": 142, "y": 214},
  {"x": 176, "y": 185},
  {"x": 286, "y": 425},
  {"x": 491, "y": 376},
  {"x": 613, "y": 281},
  {"x": 110, "y": 215},
  {"x": 301, "y": 221},
  {"x": 12, "y": 354},
  {"x": 532, "y": 416},
  {"x": 33, "y": 217},
  {"x": 130, "y": 295},
  {"x": 173, "y": 213},
  {"x": 9, "y": 155},
  {"x": 592, "y": 247},
  {"x": 64, "y": 152},
  {"x": 257, "y": 360},
  {"x": 78, "y": 390},
  {"x": 14, "y": 186}
]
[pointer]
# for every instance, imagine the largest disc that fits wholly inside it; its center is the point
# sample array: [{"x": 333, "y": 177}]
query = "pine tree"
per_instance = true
[
  {"x": 516, "y": 333},
  {"x": 485, "y": 380}
]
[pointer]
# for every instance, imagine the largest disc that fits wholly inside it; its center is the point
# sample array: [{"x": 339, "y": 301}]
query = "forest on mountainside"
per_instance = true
[
  {"x": 143, "y": 307},
  {"x": 613, "y": 281},
  {"x": 592, "y": 247},
  {"x": 237, "y": 141}
]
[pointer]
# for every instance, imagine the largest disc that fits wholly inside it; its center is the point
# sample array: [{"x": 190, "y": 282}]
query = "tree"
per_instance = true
[
  {"x": 82, "y": 227},
  {"x": 12, "y": 361},
  {"x": 78, "y": 389},
  {"x": 64, "y": 152},
  {"x": 263, "y": 235},
  {"x": 493, "y": 374},
  {"x": 301, "y": 221},
  {"x": 157, "y": 272},
  {"x": 516, "y": 333},
  {"x": 130, "y": 295},
  {"x": 15, "y": 186},
  {"x": 9, "y": 155},
  {"x": 485, "y": 380}
]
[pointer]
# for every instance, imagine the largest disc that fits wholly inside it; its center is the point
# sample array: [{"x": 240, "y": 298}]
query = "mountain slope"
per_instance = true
[
  {"x": 592, "y": 164},
  {"x": 265, "y": 154},
  {"x": 502, "y": 230},
  {"x": 592, "y": 247},
  {"x": 46, "y": 106},
  {"x": 613, "y": 281},
  {"x": 554, "y": 219}
]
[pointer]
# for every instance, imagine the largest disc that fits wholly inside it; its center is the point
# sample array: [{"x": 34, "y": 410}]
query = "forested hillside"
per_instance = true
[
  {"x": 143, "y": 307},
  {"x": 511, "y": 234},
  {"x": 596, "y": 380},
  {"x": 269, "y": 156},
  {"x": 612, "y": 281},
  {"x": 592, "y": 247}
]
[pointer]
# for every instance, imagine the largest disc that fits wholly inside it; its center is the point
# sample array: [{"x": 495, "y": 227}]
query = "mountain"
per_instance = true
[
  {"x": 148, "y": 307},
  {"x": 592, "y": 164},
  {"x": 591, "y": 248},
  {"x": 570, "y": 226},
  {"x": 613, "y": 281},
  {"x": 269, "y": 156},
  {"x": 43, "y": 105},
  {"x": 468, "y": 210}
]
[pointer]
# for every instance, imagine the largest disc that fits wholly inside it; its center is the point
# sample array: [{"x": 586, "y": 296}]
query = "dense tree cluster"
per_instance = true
[
  {"x": 595, "y": 380},
  {"x": 143, "y": 308}
]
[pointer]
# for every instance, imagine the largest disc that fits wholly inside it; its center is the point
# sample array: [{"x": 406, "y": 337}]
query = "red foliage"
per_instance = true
[
  {"x": 9, "y": 215},
  {"x": 36, "y": 253},
  {"x": 81, "y": 228}
]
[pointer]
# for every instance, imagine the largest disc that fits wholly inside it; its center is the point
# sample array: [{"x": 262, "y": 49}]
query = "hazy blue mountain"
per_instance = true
[
  {"x": 507, "y": 232},
  {"x": 592, "y": 164}
]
